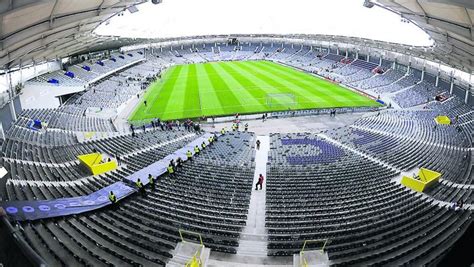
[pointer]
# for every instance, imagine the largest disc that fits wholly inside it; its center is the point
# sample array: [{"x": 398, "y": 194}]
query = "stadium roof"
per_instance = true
[
  {"x": 448, "y": 22},
  {"x": 39, "y": 30}
]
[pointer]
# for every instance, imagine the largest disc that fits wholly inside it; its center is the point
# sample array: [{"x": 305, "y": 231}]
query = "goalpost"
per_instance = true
[{"x": 281, "y": 100}]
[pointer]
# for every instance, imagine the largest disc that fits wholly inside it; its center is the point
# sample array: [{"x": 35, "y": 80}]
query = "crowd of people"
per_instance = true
[{"x": 188, "y": 125}]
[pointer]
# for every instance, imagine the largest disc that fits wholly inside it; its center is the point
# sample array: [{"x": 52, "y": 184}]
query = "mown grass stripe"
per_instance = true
[
  {"x": 208, "y": 98},
  {"x": 191, "y": 100},
  {"x": 247, "y": 91},
  {"x": 175, "y": 104},
  {"x": 227, "y": 99}
]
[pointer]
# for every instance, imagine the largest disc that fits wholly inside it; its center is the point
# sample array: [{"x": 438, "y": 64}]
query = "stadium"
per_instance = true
[{"x": 249, "y": 133}]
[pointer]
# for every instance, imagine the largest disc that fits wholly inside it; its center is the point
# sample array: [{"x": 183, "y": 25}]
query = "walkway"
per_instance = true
[
  {"x": 252, "y": 250},
  {"x": 253, "y": 240}
]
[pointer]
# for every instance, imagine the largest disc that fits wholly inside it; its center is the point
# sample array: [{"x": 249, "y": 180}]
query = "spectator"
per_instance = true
[{"x": 258, "y": 144}]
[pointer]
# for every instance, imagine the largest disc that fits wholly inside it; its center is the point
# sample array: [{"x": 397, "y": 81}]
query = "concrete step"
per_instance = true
[
  {"x": 184, "y": 252},
  {"x": 221, "y": 259},
  {"x": 314, "y": 258},
  {"x": 252, "y": 248}
]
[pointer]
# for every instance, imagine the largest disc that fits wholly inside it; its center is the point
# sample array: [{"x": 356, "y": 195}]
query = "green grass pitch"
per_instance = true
[{"x": 227, "y": 88}]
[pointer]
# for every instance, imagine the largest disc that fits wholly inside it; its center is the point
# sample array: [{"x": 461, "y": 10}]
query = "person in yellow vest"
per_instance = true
[
  {"x": 140, "y": 187},
  {"x": 112, "y": 197},
  {"x": 189, "y": 155},
  {"x": 234, "y": 127},
  {"x": 210, "y": 139},
  {"x": 170, "y": 170},
  {"x": 151, "y": 180},
  {"x": 203, "y": 145},
  {"x": 196, "y": 150},
  {"x": 139, "y": 184},
  {"x": 223, "y": 131}
]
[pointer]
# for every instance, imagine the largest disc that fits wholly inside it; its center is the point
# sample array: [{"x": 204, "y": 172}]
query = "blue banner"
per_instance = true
[{"x": 39, "y": 209}]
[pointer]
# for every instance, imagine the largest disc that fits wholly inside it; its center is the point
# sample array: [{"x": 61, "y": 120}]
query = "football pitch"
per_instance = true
[{"x": 244, "y": 87}]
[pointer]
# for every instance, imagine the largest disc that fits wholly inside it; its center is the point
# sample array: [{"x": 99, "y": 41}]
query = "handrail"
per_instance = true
[
  {"x": 181, "y": 231},
  {"x": 315, "y": 241},
  {"x": 305, "y": 262}
]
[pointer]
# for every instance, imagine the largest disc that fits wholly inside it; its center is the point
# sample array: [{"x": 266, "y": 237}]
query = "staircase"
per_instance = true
[{"x": 185, "y": 251}]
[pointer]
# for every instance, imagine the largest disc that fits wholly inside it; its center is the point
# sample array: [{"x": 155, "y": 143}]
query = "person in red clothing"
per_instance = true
[{"x": 259, "y": 182}]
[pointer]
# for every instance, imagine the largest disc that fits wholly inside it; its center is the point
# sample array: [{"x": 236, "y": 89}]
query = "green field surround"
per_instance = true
[{"x": 244, "y": 87}]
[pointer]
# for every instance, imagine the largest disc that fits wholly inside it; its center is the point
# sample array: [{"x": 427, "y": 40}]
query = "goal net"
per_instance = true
[{"x": 281, "y": 100}]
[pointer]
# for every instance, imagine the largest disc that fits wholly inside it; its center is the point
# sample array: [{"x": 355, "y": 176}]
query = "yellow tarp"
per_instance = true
[
  {"x": 422, "y": 181},
  {"x": 443, "y": 120},
  {"x": 94, "y": 163}
]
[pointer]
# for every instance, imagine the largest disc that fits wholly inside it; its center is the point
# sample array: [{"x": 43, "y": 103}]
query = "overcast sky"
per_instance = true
[{"x": 174, "y": 18}]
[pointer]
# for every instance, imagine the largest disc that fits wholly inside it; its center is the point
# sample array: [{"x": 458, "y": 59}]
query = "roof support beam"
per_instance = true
[{"x": 51, "y": 16}]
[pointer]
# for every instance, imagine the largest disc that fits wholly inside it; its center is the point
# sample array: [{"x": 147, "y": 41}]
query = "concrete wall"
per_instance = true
[{"x": 45, "y": 95}]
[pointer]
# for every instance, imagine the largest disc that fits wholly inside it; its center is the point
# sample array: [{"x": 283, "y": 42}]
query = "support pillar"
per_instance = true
[
  {"x": 2, "y": 133},
  {"x": 12, "y": 96}
]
